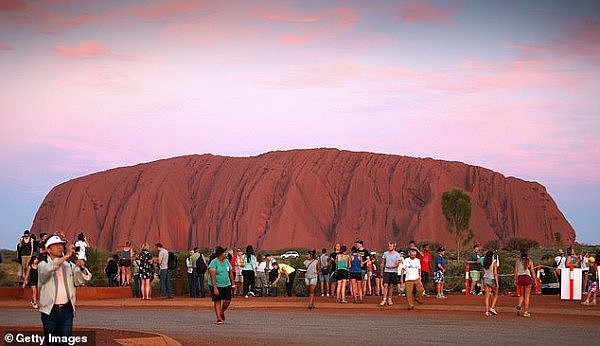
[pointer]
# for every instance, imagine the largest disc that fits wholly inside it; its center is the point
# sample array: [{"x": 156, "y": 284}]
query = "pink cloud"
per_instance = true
[
  {"x": 6, "y": 48},
  {"x": 296, "y": 40},
  {"x": 167, "y": 8},
  {"x": 86, "y": 50},
  {"x": 13, "y": 6},
  {"x": 423, "y": 11}
]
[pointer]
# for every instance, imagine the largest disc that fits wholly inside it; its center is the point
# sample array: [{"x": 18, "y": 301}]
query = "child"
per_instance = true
[
  {"x": 31, "y": 278},
  {"x": 592, "y": 275}
]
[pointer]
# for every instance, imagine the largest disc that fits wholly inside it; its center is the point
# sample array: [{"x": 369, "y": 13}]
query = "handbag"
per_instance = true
[{"x": 524, "y": 280}]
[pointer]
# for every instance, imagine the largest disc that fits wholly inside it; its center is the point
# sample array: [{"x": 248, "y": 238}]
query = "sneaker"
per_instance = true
[
  {"x": 322, "y": 295},
  {"x": 382, "y": 302},
  {"x": 246, "y": 296},
  {"x": 493, "y": 311},
  {"x": 526, "y": 314},
  {"x": 389, "y": 301},
  {"x": 220, "y": 322},
  {"x": 251, "y": 293},
  {"x": 35, "y": 306},
  {"x": 487, "y": 313},
  {"x": 444, "y": 297},
  {"x": 585, "y": 302},
  {"x": 328, "y": 294}
]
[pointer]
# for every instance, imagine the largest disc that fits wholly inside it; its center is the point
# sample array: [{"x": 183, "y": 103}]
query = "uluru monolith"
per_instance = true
[{"x": 298, "y": 198}]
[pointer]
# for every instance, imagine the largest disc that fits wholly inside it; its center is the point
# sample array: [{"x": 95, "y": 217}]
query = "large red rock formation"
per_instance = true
[{"x": 307, "y": 198}]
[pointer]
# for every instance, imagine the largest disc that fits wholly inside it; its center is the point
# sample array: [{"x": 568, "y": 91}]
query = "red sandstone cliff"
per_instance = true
[{"x": 308, "y": 198}]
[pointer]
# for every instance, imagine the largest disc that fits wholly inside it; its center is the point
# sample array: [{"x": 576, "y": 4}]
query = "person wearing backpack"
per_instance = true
[
  {"x": 166, "y": 291},
  {"x": 199, "y": 269}
]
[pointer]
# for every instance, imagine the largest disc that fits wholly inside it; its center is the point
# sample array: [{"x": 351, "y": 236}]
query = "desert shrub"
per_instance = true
[
  {"x": 492, "y": 244},
  {"x": 516, "y": 244}
]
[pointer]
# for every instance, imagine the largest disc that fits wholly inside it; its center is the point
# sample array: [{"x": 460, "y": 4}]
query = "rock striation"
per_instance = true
[{"x": 299, "y": 198}]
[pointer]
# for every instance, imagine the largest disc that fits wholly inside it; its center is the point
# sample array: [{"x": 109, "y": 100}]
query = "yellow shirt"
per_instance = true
[{"x": 286, "y": 269}]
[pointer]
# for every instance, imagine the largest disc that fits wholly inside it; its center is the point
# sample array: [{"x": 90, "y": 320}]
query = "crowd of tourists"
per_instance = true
[{"x": 348, "y": 275}]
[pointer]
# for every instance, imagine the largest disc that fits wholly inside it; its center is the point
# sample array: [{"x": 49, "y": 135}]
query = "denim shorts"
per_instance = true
[
  {"x": 489, "y": 282},
  {"x": 310, "y": 282}
]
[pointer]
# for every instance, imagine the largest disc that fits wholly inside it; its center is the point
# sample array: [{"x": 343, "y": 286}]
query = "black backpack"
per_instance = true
[
  {"x": 172, "y": 261},
  {"x": 201, "y": 265}
]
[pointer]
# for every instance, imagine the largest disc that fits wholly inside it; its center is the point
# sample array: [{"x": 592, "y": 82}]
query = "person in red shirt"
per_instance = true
[{"x": 425, "y": 259}]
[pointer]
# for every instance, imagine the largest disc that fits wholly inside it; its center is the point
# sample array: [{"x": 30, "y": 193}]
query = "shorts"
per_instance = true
[
  {"x": 224, "y": 293},
  {"x": 489, "y": 282},
  {"x": 438, "y": 277},
  {"x": 592, "y": 287},
  {"x": 475, "y": 275},
  {"x": 238, "y": 278},
  {"x": 310, "y": 282},
  {"x": 332, "y": 277},
  {"x": 341, "y": 274},
  {"x": 356, "y": 276},
  {"x": 323, "y": 277},
  {"x": 124, "y": 262},
  {"x": 390, "y": 278}
]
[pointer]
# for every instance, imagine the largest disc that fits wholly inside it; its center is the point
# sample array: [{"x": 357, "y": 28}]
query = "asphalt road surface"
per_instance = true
[{"x": 328, "y": 326}]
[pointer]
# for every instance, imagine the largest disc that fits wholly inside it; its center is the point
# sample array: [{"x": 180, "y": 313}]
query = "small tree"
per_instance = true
[
  {"x": 558, "y": 238},
  {"x": 456, "y": 207}
]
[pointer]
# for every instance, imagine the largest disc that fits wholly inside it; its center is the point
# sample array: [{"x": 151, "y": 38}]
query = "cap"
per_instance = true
[
  {"x": 54, "y": 240},
  {"x": 591, "y": 260},
  {"x": 220, "y": 250},
  {"x": 26, "y": 232}
]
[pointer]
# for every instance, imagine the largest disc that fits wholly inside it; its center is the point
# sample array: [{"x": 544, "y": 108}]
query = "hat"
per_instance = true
[
  {"x": 591, "y": 260},
  {"x": 359, "y": 241},
  {"x": 26, "y": 232},
  {"x": 54, "y": 240},
  {"x": 220, "y": 250}
]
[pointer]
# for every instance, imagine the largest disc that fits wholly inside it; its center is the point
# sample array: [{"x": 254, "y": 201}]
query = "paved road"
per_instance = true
[{"x": 254, "y": 326}]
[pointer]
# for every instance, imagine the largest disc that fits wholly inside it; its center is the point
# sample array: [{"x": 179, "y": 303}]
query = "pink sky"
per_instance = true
[{"x": 511, "y": 86}]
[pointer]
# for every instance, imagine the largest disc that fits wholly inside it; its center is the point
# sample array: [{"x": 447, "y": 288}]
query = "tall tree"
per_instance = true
[{"x": 456, "y": 207}]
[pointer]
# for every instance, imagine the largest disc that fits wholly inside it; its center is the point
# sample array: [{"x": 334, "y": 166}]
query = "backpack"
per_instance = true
[
  {"x": 172, "y": 261},
  {"x": 201, "y": 265}
]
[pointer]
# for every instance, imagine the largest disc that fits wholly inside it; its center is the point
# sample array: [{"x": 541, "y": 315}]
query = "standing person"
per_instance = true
[
  {"x": 24, "y": 253},
  {"x": 146, "y": 271},
  {"x": 377, "y": 274},
  {"x": 164, "y": 274},
  {"x": 401, "y": 275},
  {"x": 369, "y": 277},
  {"x": 592, "y": 279},
  {"x": 585, "y": 266},
  {"x": 31, "y": 279},
  {"x": 125, "y": 263},
  {"x": 490, "y": 283},
  {"x": 192, "y": 281},
  {"x": 364, "y": 254},
  {"x": 412, "y": 268},
  {"x": 356, "y": 276},
  {"x": 238, "y": 262},
  {"x": 261, "y": 275},
  {"x": 137, "y": 280},
  {"x": 390, "y": 263},
  {"x": 524, "y": 273},
  {"x": 559, "y": 263},
  {"x": 426, "y": 260},
  {"x": 333, "y": 269},
  {"x": 57, "y": 278},
  {"x": 220, "y": 283},
  {"x": 199, "y": 268},
  {"x": 81, "y": 246},
  {"x": 572, "y": 260},
  {"x": 324, "y": 273},
  {"x": 249, "y": 271},
  {"x": 313, "y": 267},
  {"x": 290, "y": 274},
  {"x": 439, "y": 272},
  {"x": 342, "y": 262},
  {"x": 474, "y": 267}
]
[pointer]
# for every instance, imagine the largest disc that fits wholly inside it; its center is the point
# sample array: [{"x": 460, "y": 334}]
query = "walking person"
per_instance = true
[
  {"x": 313, "y": 267},
  {"x": 490, "y": 283},
  {"x": 439, "y": 274},
  {"x": 390, "y": 263},
  {"x": 524, "y": 273},
  {"x": 81, "y": 246},
  {"x": 31, "y": 279},
  {"x": 426, "y": 261},
  {"x": 24, "y": 253},
  {"x": 125, "y": 263},
  {"x": 411, "y": 267},
  {"x": 249, "y": 271},
  {"x": 58, "y": 279},
  {"x": 290, "y": 274},
  {"x": 220, "y": 283},
  {"x": 166, "y": 291},
  {"x": 342, "y": 262},
  {"x": 356, "y": 276},
  {"x": 146, "y": 271},
  {"x": 324, "y": 273}
]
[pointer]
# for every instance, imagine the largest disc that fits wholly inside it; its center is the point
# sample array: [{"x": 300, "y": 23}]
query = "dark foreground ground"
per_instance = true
[{"x": 286, "y": 321}]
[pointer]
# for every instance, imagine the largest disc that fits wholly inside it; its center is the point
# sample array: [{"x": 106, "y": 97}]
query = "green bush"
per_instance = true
[{"x": 518, "y": 244}]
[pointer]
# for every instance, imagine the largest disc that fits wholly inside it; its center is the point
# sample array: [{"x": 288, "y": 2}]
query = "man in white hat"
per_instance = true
[{"x": 57, "y": 279}]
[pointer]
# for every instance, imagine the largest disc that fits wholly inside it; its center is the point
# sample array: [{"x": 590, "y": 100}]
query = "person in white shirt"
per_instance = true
[
  {"x": 411, "y": 267},
  {"x": 559, "y": 263},
  {"x": 80, "y": 246}
]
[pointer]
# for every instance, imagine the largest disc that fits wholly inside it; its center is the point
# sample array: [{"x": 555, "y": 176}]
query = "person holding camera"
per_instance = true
[{"x": 57, "y": 279}]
